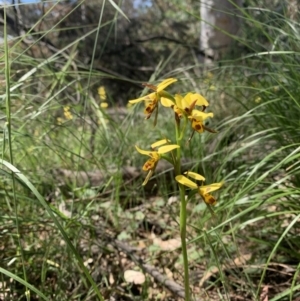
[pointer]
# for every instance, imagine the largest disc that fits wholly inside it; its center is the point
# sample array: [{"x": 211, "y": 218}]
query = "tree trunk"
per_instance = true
[{"x": 219, "y": 21}]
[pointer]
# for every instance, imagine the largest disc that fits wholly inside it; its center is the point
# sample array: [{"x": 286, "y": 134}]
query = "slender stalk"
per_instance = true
[{"x": 183, "y": 216}]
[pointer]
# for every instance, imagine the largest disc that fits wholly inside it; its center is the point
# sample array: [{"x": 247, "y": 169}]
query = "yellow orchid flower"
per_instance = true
[
  {"x": 152, "y": 99},
  {"x": 155, "y": 156},
  {"x": 197, "y": 117},
  {"x": 102, "y": 93},
  {"x": 189, "y": 101},
  {"x": 103, "y": 97},
  {"x": 186, "y": 104},
  {"x": 203, "y": 190}
]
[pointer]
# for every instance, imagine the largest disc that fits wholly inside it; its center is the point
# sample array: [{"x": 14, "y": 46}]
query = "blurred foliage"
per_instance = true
[
  {"x": 126, "y": 48},
  {"x": 129, "y": 50}
]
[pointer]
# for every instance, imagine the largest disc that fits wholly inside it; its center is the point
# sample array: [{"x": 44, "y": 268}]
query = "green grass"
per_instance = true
[{"x": 57, "y": 228}]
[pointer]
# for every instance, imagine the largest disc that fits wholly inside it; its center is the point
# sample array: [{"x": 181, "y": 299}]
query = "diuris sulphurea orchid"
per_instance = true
[
  {"x": 184, "y": 105},
  {"x": 188, "y": 109},
  {"x": 155, "y": 156},
  {"x": 203, "y": 190},
  {"x": 198, "y": 118},
  {"x": 152, "y": 99}
]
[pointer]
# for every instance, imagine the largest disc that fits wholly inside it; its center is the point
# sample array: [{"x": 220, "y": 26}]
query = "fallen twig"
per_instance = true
[{"x": 162, "y": 279}]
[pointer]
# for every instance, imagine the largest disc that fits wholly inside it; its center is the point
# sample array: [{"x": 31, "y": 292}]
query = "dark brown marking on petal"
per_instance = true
[
  {"x": 209, "y": 199},
  {"x": 197, "y": 126},
  {"x": 152, "y": 87},
  {"x": 148, "y": 109},
  {"x": 150, "y": 164},
  {"x": 192, "y": 106}
]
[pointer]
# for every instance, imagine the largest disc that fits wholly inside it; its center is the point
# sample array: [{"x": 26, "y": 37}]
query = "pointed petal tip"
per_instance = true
[
  {"x": 186, "y": 182},
  {"x": 159, "y": 143},
  {"x": 167, "y": 148},
  {"x": 194, "y": 175}
]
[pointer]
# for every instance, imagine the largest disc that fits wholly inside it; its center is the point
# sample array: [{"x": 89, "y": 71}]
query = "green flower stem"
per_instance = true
[
  {"x": 183, "y": 216},
  {"x": 183, "y": 128}
]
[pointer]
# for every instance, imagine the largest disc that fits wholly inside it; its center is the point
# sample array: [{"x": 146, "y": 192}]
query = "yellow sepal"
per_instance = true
[
  {"x": 186, "y": 182},
  {"x": 150, "y": 173},
  {"x": 165, "y": 84},
  {"x": 194, "y": 175},
  {"x": 209, "y": 188},
  {"x": 166, "y": 102},
  {"x": 143, "y": 152},
  {"x": 199, "y": 115},
  {"x": 159, "y": 143},
  {"x": 151, "y": 96},
  {"x": 201, "y": 101},
  {"x": 167, "y": 148}
]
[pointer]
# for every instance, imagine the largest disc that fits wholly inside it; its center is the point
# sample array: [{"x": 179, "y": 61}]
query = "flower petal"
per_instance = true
[
  {"x": 209, "y": 199},
  {"x": 186, "y": 182},
  {"x": 148, "y": 177},
  {"x": 194, "y": 175},
  {"x": 150, "y": 164},
  {"x": 159, "y": 143},
  {"x": 203, "y": 190},
  {"x": 143, "y": 152},
  {"x": 165, "y": 84},
  {"x": 102, "y": 93},
  {"x": 167, "y": 148},
  {"x": 150, "y": 107},
  {"x": 151, "y": 96},
  {"x": 103, "y": 105},
  {"x": 166, "y": 102},
  {"x": 201, "y": 101},
  {"x": 197, "y": 125},
  {"x": 199, "y": 115},
  {"x": 178, "y": 99},
  {"x": 185, "y": 102},
  {"x": 179, "y": 109}
]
